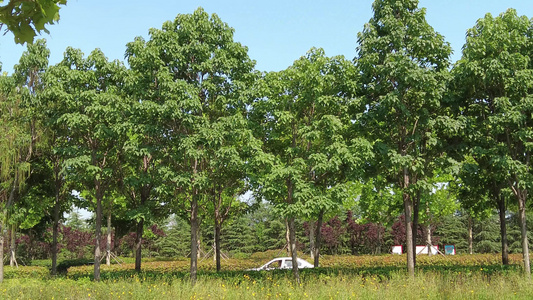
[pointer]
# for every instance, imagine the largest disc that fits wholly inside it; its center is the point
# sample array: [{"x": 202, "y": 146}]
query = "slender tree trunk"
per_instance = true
[
  {"x": 217, "y": 244},
  {"x": 408, "y": 213},
  {"x": 138, "y": 244},
  {"x": 98, "y": 232},
  {"x": 287, "y": 237},
  {"x": 318, "y": 235},
  {"x": 55, "y": 232},
  {"x": 292, "y": 233},
  {"x": 12, "y": 246},
  {"x": 108, "y": 241},
  {"x": 470, "y": 235},
  {"x": 312, "y": 246},
  {"x": 292, "y": 247},
  {"x": 408, "y": 206},
  {"x": 2, "y": 249},
  {"x": 194, "y": 237},
  {"x": 429, "y": 244},
  {"x": 415, "y": 214},
  {"x": 503, "y": 230},
  {"x": 522, "y": 195}
]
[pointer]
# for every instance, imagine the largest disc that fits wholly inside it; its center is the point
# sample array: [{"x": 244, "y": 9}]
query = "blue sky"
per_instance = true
[{"x": 277, "y": 32}]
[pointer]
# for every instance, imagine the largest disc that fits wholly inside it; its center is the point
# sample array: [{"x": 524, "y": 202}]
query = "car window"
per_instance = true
[
  {"x": 288, "y": 263},
  {"x": 274, "y": 265}
]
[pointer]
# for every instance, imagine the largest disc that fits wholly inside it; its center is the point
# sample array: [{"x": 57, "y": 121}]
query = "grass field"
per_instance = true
[{"x": 340, "y": 277}]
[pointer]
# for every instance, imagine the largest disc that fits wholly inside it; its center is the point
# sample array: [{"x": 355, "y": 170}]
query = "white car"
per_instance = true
[{"x": 283, "y": 263}]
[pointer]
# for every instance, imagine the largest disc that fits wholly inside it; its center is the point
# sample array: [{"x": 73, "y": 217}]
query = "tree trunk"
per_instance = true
[
  {"x": 194, "y": 237},
  {"x": 12, "y": 246},
  {"x": 217, "y": 244},
  {"x": 318, "y": 235},
  {"x": 2, "y": 250},
  {"x": 312, "y": 246},
  {"x": 429, "y": 244},
  {"x": 415, "y": 214},
  {"x": 292, "y": 247},
  {"x": 408, "y": 206},
  {"x": 55, "y": 233},
  {"x": 522, "y": 195},
  {"x": 503, "y": 230},
  {"x": 287, "y": 236},
  {"x": 108, "y": 241},
  {"x": 470, "y": 235},
  {"x": 138, "y": 244},
  {"x": 98, "y": 232}
]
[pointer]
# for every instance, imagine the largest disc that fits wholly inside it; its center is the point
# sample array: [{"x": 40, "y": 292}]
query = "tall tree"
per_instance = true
[
  {"x": 403, "y": 65},
  {"x": 197, "y": 81},
  {"x": 496, "y": 80},
  {"x": 16, "y": 147},
  {"x": 28, "y": 77},
  {"x": 85, "y": 91},
  {"x": 303, "y": 121}
]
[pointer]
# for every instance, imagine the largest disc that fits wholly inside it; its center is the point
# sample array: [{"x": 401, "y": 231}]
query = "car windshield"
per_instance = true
[{"x": 274, "y": 265}]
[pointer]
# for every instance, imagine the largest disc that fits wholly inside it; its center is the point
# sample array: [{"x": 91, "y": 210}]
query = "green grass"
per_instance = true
[
  {"x": 426, "y": 285},
  {"x": 464, "y": 278}
]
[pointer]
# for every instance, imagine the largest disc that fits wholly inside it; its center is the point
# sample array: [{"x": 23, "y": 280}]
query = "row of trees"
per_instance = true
[
  {"x": 190, "y": 125},
  {"x": 263, "y": 230}
]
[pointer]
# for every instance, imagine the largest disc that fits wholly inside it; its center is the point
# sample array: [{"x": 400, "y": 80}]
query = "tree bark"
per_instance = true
[
  {"x": 2, "y": 250},
  {"x": 522, "y": 195},
  {"x": 408, "y": 206},
  {"x": 12, "y": 246},
  {"x": 194, "y": 236},
  {"x": 217, "y": 244},
  {"x": 292, "y": 247},
  {"x": 108, "y": 241},
  {"x": 503, "y": 230},
  {"x": 415, "y": 214},
  {"x": 318, "y": 235},
  {"x": 55, "y": 232},
  {"x": 98, "y": 231},
  {"x": 138, "y": 244},
  {"x": 429, "y": 244},
  {"x": 470, "y": 235}
]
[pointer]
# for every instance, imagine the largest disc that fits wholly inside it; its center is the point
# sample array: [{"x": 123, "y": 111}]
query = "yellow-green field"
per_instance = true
[{"x": 340, "y": 277}]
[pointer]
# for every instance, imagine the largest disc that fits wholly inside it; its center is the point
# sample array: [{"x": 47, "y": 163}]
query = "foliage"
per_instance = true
[
  {"x": 25, "y": 19},
  {"x": 403, "y": 64},
  {"x": 495, "y": 87}
]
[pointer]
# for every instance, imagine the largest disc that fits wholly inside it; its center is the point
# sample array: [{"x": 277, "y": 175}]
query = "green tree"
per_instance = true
[
  {"x": 197, "y": 78},
  {"x": 74, "y": 220},
  {"x": 302, "y": 118},
  {"x": 403, "y": 65},
  {"x": 452, "y": 230},
  {"x": 90, "y": 109},
  {"x": 496, "y": 76},
  {"x": 17, "y": 144},
  {"x": 177, "y": 239},
  {"x": 28, "y": 77},
  {"x": 25, "y": 19}
]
